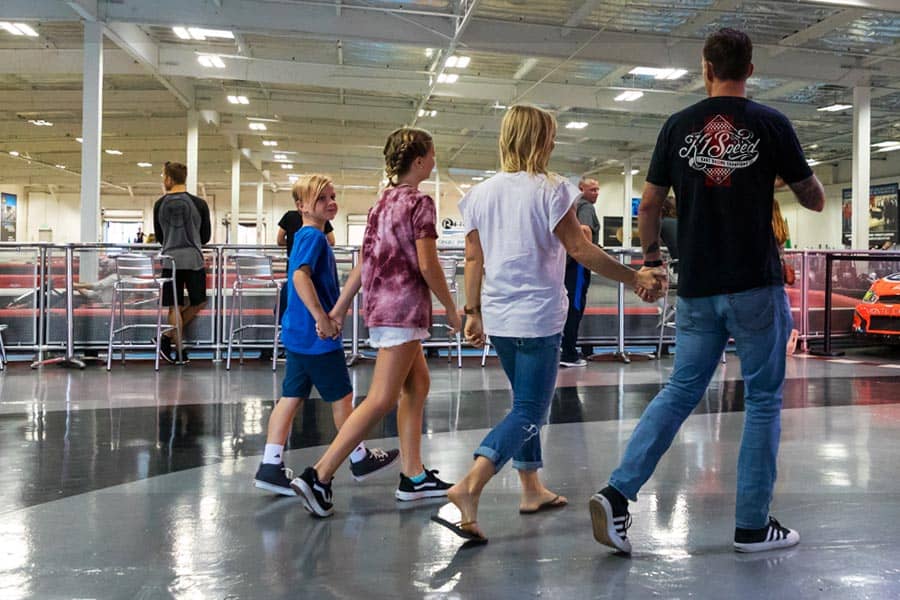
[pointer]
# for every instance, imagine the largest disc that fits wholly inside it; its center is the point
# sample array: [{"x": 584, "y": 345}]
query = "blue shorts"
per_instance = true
[{"x": 328, "y": 372}]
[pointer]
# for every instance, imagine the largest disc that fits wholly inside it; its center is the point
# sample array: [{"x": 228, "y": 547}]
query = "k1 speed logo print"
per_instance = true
[{"x": 719, "y": 149}]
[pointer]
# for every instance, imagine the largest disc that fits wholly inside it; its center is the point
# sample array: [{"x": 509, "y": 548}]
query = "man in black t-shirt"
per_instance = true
[{"x": 721, "y": 157}]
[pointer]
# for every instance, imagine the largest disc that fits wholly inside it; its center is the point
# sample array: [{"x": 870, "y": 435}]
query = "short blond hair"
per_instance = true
[
  {"x": 526, "y": 139},
  {"x": 308, "y": 188}
]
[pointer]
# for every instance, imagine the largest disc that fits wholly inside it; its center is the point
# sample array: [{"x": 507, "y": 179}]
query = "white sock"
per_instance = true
[
  {"x": 273, "y": 454},
  {"x": 358, "y": 454}
]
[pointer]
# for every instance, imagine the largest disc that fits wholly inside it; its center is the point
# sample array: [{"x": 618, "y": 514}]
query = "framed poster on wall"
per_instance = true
[
  {"x": 883, "y": 223},
  {"x": 8, "y": 217}
]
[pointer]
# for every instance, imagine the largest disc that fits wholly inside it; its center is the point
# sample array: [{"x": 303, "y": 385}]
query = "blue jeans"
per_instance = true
[
  {"x": 531, "y": 365},
  {"x": 760, "y": 322}
]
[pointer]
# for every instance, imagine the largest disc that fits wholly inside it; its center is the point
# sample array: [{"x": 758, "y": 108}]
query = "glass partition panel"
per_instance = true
[{"x": 20, "y": 286}]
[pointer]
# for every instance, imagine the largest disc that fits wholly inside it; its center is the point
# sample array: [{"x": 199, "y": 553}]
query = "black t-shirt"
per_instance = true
[
  {"x": 721, "y": 157},
  {"x": 291, "y": 222}
]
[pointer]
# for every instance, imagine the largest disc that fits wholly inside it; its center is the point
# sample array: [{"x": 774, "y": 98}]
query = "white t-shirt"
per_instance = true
[{"x": 523, "y": 294}]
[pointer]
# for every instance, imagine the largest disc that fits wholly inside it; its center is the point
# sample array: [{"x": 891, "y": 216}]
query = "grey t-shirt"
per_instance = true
[
  {"x": 179, "y": 222},
  {"x": 586, "y": 214}
]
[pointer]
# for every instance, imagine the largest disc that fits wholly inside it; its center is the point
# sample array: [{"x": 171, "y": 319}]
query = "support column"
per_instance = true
[
  {"x": 91, "y": 132},
  {"x": 193, "y": 149},
  {"x": 862, "y": 142},
  {"x": 259, "y": 213},
  {"x": 235, "y": 196},
  {"x": 626, "y": 206}
]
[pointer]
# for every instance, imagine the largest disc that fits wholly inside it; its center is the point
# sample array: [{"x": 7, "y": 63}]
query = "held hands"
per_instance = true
[
  {"x": 650, "y": 283},
  {"x": 474, "y": 332},
  {"x": 327, "y": 327}
]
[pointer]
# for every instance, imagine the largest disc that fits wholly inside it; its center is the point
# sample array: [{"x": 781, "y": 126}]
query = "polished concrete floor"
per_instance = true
[{"x": 137, "y": 484}]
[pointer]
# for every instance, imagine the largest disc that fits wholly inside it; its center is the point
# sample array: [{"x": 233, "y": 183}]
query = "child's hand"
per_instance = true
[
  {"x": 325, "y": 327},
  {"x": 454, "y": 322},
  {"x": 339, "y": 325}
]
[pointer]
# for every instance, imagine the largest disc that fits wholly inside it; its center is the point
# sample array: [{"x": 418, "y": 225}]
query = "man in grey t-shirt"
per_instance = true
[
  {"x": 578, "y": 278},
  {"x": 181, "y": 224}
]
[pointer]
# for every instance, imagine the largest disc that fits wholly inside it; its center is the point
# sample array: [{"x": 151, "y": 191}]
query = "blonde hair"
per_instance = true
[
  {"x": 779, "y": 225},
  {"x": 526, "y": 139},
  {"x": 308, "y": 188},
  {"x": 403, "y": 146}
]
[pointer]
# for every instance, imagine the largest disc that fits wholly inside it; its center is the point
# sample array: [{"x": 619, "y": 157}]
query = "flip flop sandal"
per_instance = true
[
  {"x": 548, "y": 505},
  {"x": 457, "y": 528}
]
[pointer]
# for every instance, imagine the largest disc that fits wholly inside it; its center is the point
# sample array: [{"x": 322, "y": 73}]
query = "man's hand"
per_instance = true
[
  {"x": 474, "y": 332},
  {"x": 651, "y": 283}
]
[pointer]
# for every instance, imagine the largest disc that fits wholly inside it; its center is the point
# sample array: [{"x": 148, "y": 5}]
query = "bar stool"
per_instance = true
[
  {"x": 252, "y": 272},
  {"x": 142, "y": 274},
  {"x": 2, "y": 348},
  {"x": 449, "y": 264}
]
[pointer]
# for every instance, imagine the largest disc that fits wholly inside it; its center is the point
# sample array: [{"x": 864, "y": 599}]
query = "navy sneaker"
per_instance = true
[
  {"x": 431, "y": 487},
  {"x": 610, "y": 519},
  {"x": 274, "y": 478},
  {"x": 771, "y": 537},
  {"x": 376, "y": 459},
  {"x": 165, "y": 349},
  {"x": 315, "y": 494}
]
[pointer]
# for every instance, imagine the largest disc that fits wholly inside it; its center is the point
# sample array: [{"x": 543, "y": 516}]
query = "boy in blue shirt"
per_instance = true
[{"x": 315, "y": 350}]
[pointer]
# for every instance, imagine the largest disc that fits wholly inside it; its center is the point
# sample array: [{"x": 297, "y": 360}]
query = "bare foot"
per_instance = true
[
  {"x": 532, "y": 501},
  {"x": 467, "y": 503}
]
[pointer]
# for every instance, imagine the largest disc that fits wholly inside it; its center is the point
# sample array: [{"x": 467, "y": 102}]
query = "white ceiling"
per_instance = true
[{"x": 339, "y": 75}]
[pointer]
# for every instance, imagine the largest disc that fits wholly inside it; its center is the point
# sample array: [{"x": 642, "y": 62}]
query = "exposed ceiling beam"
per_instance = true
[
  {"x": 703, "y": 18},
  {"x": 824, "y": 26}
]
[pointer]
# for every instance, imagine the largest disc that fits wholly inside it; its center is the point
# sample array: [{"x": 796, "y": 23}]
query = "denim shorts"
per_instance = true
[{"x": 328, "y": 372}]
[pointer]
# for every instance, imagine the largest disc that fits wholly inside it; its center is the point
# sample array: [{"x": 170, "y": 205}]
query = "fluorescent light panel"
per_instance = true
[
  {"x": 628, "y": 96},
  {"x": 448, "y": 78},
  {"x": 40, "y": 123},
  {"x": 114, "y": 152},
  {"x": 210, "y": 60},
  {"x": 458, "y": 62},
  {"x": 835, "y": 107},
  {"x": 887, "y": 144},
  {"x": 144, "y": 165},
  {"x": 257, "y": 126},
  {"x": 270, "y": 143},
  {"x": 427, "y": 113},
  {"x": 201, "y": 34},
  {"x": 13, "y": 153},
  {"x": 287, "y": 166},
  {"x": 668, "y": 74},
  {"x": 18, "y": 29},
  {"x": 576, "y": 124},
  {"x": 238, "y": 100}
]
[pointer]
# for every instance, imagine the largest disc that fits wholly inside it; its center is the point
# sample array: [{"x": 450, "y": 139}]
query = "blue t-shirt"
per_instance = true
[{"x": 298, "y": 327}]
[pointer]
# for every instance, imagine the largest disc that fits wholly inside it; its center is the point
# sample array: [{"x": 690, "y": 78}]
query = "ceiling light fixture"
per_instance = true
[
  {"x": 200, "y": 33},
  {"x": 13, "y": 153},
  {"x": 144, "y": 165},
  {"x": 114, "y": 152},
  {"x": 668, "y": 74},
  {"x": 812, "y": 162},
  {"x": 628, "y": 96},
  {"x": 18, "y": 29},
  {"x": 238, "y": 100},
  {"x": 40, "y": 123},
  {"x": 478, "y": 178},
  {"x": 458, "y": 62},
  {"x": 256, "y": 126},
  {"x": 293, "y": 178},
  {"x": 427, "y": 113},
  {"x": 287, "y": 166},
  {"x": 79, "y": 140},
  {"x": 893, "y": 148},
  {"x": 60, "y": 166},
  {"x": 448, "y": 78},
  {"x": 270, "y": 143},
  {"x": 280, "y": 156},
  {"x": 887, "y": 144},
  {"x": 837, "y": 107},
  {"x": 576, "y": 124},
  {"x": 210, "y": 60}
]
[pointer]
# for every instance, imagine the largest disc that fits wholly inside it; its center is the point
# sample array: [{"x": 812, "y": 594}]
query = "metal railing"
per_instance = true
[{"x": 45, "y": 312}]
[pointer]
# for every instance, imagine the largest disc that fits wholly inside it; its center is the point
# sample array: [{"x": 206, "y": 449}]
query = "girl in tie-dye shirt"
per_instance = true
[{"x": 398, "y": 272}]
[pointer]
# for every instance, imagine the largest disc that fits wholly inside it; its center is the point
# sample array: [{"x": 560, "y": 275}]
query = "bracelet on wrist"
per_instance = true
[
  {"x": 653, "y": 263},
  {"x": 474, "y": 310}
]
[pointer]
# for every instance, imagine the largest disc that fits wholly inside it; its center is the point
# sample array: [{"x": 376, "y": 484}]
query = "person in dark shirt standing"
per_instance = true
[
  {"x": 721, "y": 157},
  {"x": 181, "y": 225},
  {"x": 578, "y": 277}
]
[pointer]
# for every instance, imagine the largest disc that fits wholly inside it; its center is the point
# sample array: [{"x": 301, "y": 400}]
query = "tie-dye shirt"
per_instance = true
[{"x": 394, "y": 292}]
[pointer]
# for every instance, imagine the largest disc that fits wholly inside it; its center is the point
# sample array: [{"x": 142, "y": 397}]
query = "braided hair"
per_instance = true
[{"x": 403, "y": 146}]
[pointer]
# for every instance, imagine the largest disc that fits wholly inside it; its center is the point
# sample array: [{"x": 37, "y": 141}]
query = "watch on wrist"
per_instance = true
[
  {"x": 475, "y": 310},
  {"x": 653, "y": 263}
]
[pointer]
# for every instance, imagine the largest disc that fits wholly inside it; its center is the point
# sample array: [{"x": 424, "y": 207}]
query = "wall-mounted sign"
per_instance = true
[{"x": 8, "y": 217}]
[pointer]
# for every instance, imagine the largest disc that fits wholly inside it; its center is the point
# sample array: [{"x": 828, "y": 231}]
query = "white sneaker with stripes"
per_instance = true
[
  {"x": 610, "y": 528},
  {"x": 771, "y": 537}
]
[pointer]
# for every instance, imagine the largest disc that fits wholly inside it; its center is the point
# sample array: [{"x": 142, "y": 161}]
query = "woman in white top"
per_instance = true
[{"x": 520, "y": 224}]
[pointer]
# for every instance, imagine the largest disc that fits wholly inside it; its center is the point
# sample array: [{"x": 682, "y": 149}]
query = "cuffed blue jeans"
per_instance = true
[
  {"x": 760, "y": 322},
  {"x": 531, "y": 365}
]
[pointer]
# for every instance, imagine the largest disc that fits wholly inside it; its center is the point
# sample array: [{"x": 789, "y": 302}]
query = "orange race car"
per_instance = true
[{"x": 879, "y": 312}]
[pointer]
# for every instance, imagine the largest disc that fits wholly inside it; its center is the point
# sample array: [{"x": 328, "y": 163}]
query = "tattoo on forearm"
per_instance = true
[{"x": 810, "y": 193}]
